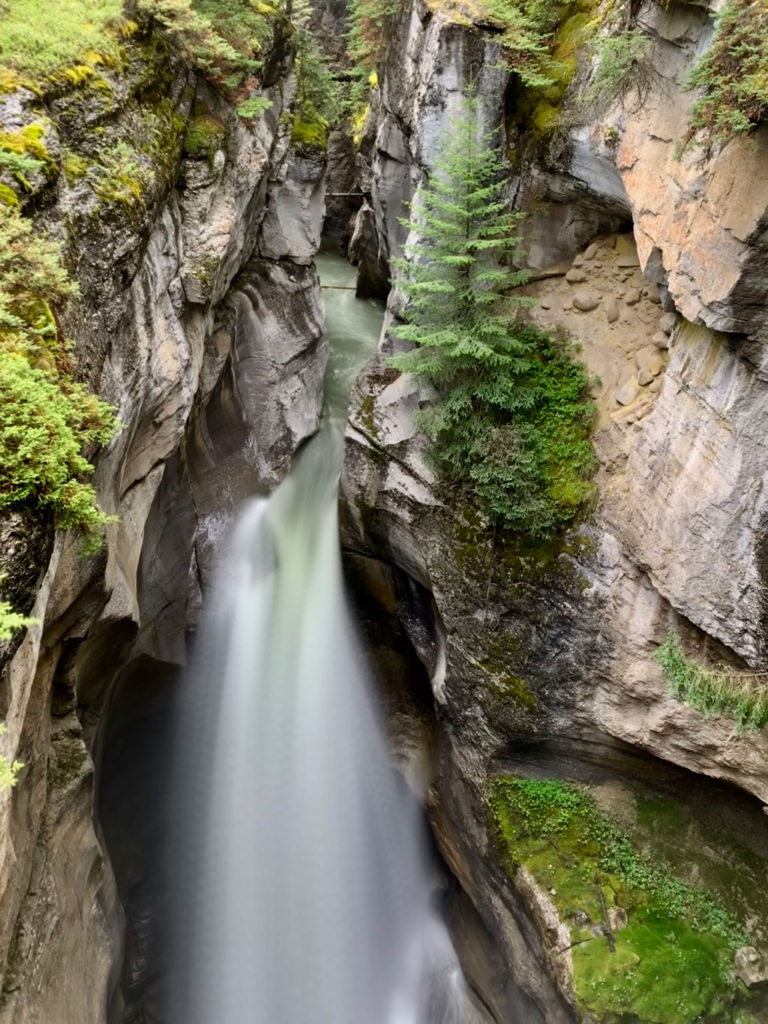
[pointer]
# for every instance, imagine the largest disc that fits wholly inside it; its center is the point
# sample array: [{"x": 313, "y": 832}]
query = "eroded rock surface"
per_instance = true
[
  {"x": 558, "y": 641},
  {"x": 197, "y": 300}
]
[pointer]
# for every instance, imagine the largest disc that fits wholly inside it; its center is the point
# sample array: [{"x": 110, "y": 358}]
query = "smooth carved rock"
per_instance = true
[{"x": 585, "y": 300}]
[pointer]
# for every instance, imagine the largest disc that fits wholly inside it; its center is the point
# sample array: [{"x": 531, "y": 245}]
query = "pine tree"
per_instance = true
[{"x": 511, "y": 418}]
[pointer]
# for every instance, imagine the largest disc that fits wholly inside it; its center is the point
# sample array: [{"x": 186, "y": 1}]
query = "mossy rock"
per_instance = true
[{"x": 653, "y": 938}]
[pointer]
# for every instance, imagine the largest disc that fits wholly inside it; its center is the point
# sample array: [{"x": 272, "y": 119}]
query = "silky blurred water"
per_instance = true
[{"x": 304, "y": 884}]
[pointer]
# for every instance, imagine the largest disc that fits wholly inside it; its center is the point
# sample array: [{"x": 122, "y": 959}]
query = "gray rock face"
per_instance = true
[
  {"x": 200, "y": 317},
  {"x": 430, "y": 58},
  {"x": 517, "y": 647}
]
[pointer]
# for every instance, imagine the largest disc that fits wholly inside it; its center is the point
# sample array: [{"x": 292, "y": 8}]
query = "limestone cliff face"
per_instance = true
[
  {"x": 646, "y": 258},
  {"x": 198, "y": 298}
]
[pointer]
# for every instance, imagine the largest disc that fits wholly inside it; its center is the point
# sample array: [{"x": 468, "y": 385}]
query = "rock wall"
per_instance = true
[
  {"x": 558, "y": 642},
  {"x": 199, "y": 303}
]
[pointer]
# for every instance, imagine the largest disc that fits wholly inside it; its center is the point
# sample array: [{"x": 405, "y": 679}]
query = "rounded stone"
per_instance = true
[{"x": 584, "y": 299}]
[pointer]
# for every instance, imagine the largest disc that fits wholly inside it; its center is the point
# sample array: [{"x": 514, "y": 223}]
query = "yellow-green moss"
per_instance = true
[
  {"x": 309, "y": 134},
  {"x": 672, "y": 961}
]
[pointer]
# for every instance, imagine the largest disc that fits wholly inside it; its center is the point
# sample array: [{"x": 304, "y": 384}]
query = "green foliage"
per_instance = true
[
  {"x": 369, "y": 33},
  {"x": 45, "y": 424},
  {"x": 511, "y": 417},
  {"x": 37, "y": 39},
  {"x": 10, "y": 622},
  {"x": 47, "y": 416},
  {"x": 205, "y": 134},
  {"x": 733, "y": 74},
  {"x": 739, "y": 695},
  {"x": 253, "y": 108},
  {"x": 529, "y": 27},
  {"x": 319, "y": 103},
  {"x": 672, "y": 962},
  {"x": 224, "y": 38},
  {"x": 8, "y": 770},
  {"x": 623, "y": 65}
]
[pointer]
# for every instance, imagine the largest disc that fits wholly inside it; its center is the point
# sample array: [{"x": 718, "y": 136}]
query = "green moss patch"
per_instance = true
[
  {"x": 36, "y": 39},
  {"x": 672, "y": 961}
]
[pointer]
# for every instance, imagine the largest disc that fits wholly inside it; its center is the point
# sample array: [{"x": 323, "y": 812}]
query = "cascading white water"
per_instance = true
[{"x": 305, "y": 884}]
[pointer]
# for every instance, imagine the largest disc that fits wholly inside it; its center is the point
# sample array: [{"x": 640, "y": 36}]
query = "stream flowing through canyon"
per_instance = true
[{"x": 303, "y": 868}]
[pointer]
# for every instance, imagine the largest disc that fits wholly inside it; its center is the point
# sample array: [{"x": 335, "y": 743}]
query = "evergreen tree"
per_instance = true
[{"x": 511, "y": 416}]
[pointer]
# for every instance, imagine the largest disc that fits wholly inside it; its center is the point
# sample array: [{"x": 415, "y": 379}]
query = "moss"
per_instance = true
[
  {"x": 538, "y": 108},
  {"x": 205, "y": 135},
  {"x": 672, "y": 962},
  {"x": 367, "y": 419},
  {"x": 8, "y": 197},
  {"x": 309, "y": 134},
  {"x": 70, "y": 762}
]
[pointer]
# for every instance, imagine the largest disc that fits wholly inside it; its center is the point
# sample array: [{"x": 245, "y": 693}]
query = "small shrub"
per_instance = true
[
  {"x": 9, "y": 770},
  {"x": 319, "y": 103},
  {"x": 253, "y": 108},
  {"x": 45, "y": 424},
  {"x": 733, "y": 75},
  {"x": 742, "y": 696},
  {"x": 37, "y": 40},
  {"x": 205, "y": 134},
  {"x": 623, "y": 65},
  {"x": 10, "y": 622},
  {"x": 47, "y": 416}
]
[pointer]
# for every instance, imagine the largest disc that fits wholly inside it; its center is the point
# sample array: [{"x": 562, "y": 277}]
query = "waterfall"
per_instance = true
[{"x": 305, "y": 885}]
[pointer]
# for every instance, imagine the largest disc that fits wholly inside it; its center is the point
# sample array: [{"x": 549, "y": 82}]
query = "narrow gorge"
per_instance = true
[{"x": 207, "y": 209}]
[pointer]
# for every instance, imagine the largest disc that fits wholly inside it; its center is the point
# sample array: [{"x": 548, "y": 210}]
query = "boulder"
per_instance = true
[{"x": 585, "y": 300}]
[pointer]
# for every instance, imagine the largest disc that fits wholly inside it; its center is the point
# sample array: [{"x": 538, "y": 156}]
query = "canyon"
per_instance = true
[{"x": 200, "y": 317}]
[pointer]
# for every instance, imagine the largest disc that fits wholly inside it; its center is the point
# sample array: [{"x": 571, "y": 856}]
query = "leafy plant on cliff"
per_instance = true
[
  {"x": 46, "y": 415},
  {"x": 224, "y": 38},
  {"x": 37, "y": 40},
  {"x": 9, "y": 770},
  {"x": 733, "y": 74},
  {"x": 623, "y": 66},
  {"x": 369, "y": 32},
  {"x": 667, "y": 956},
  {"x": 318, "y": 101},
  {"x": 742, "y": 696},
  {"x": 511, "y": 414}
]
